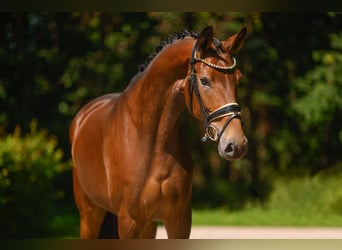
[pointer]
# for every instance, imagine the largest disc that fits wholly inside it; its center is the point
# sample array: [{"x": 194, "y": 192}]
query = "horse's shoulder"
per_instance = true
[{"x": 100, "y": 104}]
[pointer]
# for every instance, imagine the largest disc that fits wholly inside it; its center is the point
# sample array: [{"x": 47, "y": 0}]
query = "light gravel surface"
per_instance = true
[{"x": 223, "y": 232}]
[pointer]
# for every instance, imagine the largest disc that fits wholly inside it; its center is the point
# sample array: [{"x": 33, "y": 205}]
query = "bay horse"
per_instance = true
[{"x": 132, "y": 165}]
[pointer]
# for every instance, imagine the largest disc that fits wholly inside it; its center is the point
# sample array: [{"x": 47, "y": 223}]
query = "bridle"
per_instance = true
[{"x": 230, "y": 109}]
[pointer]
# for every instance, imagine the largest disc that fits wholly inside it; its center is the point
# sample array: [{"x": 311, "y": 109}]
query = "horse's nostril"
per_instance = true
[{"x": 230, "y": 148}]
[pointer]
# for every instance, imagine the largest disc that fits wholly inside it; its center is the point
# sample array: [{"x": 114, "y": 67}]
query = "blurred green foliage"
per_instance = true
[
  {"x": 29, "y": 166},
  {"x": 53, "y": 63},
  {"x": 305, "y": 196},
  {"x": 320, "y": 89}
]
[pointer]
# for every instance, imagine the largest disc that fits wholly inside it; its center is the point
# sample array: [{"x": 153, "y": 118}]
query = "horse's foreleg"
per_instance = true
[
  {"x": 150, "y": 231},
  {"x": 130, "y": 228},
  {"x": 91, "y": 216},
  {"x": 178, "y": 225}
]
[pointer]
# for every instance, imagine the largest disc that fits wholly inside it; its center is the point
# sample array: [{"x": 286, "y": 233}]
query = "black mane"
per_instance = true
[{"x": 170, "y": 39}]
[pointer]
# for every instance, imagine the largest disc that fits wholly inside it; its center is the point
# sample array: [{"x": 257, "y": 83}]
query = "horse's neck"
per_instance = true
[
  {"x": 168, "y": 125},
  {"x": 155, "y": 111},
  {"x": 155, "y": 104}
]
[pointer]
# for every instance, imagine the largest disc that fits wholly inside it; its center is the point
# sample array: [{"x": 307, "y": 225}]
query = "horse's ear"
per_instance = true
[
  {"x": 205, "y": 38},
  {"x": 234, "y": 43}
]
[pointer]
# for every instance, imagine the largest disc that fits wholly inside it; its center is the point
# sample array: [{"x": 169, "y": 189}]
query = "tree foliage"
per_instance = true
[{"x": 319, "y": 104}]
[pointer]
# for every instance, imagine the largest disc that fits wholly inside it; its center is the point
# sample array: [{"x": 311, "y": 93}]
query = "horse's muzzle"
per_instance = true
[{"x": 233, "y": 148}]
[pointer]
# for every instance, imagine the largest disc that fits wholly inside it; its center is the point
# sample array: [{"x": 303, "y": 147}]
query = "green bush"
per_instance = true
[{"x": 28, "y": 165}]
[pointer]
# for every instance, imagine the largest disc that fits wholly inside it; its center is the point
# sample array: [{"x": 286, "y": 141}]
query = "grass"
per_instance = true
[
  {"x": 299, "y": 201},
  {"x": 262, "y": 217}
]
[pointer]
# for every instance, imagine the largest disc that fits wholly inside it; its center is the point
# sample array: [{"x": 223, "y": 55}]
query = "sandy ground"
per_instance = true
[{"x": 222, "y": 232}]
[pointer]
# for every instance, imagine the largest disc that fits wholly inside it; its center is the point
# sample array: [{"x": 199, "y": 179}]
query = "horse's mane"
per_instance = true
[{"x": 170, "y": 39}]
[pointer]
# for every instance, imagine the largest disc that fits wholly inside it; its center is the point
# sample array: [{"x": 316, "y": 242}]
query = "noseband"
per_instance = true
[{"x": 230, "y": 109}]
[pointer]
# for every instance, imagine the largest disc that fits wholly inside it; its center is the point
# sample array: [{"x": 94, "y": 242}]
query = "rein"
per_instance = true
[{"x": 230, "y": 109}]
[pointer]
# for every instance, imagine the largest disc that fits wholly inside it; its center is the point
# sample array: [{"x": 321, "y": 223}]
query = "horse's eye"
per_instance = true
[{"x": 205, "y": 81}]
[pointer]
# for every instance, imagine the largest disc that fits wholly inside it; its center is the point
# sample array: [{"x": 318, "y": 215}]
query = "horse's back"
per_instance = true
[{"x": 86, "y": 135}]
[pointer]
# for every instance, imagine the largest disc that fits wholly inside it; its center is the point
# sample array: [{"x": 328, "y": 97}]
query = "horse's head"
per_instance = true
[{"x": 211, "y": 91}]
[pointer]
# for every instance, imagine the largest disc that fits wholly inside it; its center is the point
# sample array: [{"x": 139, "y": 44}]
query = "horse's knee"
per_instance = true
[{"x": 127, "y": 226}]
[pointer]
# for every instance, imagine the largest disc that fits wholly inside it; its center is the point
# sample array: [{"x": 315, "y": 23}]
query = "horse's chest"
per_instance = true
[{"x": 161, "y": 192}]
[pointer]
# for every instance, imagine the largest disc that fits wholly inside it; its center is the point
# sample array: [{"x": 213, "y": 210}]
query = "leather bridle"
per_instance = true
[{"x": 232, "y": 110}]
